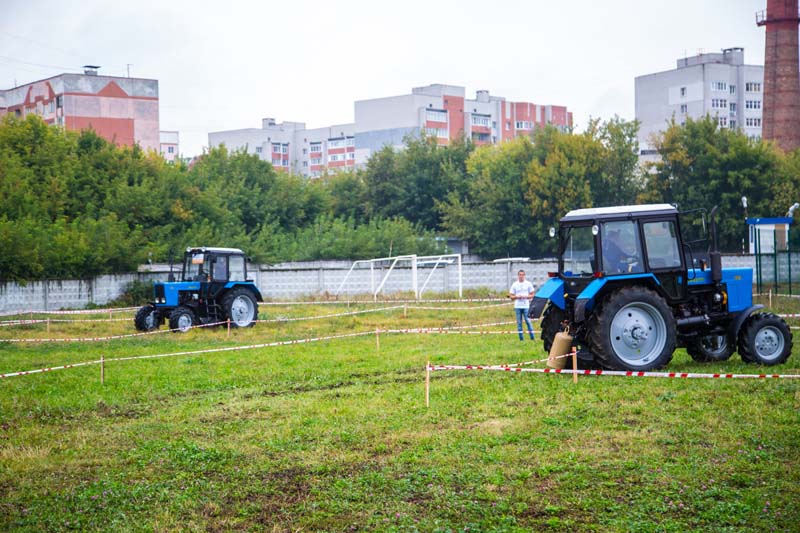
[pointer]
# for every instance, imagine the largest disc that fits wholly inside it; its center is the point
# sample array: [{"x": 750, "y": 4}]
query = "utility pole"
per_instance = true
[{"x": 129, "y": 65}]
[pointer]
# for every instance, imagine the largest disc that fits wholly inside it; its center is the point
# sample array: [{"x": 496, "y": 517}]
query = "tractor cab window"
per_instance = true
[
  {"x": 577, "y": 255},
  {"x": 237, "y": 268},
  {"x": 220, "y": 268},
  {"x": 196, "y": 267},
  {"x": 622, "y": 252},
  {"x": 661, "y": 241}
]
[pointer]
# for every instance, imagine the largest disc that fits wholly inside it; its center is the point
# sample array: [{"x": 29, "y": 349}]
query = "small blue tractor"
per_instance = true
[
  {"x": 630, "y": 290},
  {"x": 213, "y": 289}
]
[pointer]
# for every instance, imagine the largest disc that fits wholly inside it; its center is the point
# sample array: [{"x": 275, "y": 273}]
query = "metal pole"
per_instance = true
[
  {"x": 775, "y": 258},
  {"x": 414, "y": 276},
  {"x": 789, "y": 255},
  {"x": 102, "y": 369},
  {"x": 428, "y": 384},
  {"x": 460, "y": 295},
  {"x": 757, "y": 231}
]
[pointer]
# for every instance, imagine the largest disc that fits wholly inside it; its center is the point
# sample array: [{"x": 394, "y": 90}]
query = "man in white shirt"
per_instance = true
[{"x": 522, "y": 292}]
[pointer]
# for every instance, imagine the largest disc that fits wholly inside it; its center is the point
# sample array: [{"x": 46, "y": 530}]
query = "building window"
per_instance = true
[
  {"x": 684, "y": 108},
  {"x": 480, "y": 120},
  {"x": 732, "y": 124},
  {"x": 719, "y": 86},
  {"x": 276, "y": 162},
  {"x": 316, "y": 148},
  {"x": 753, "y": 122},
  {"x": 170, "y": 149},
  {"x": 350, "y": 141},
  {"x": 752, "y": 104},
  {"x": 719, "y": 103},
  {"x": 59, "y": 101},
  {"x": 258, "y": 149},
  {"x": 683, "y": 91},
  {"x": 276, "y": 148},
  {"x": 441, "y": 133},
  {"x": 435, "y": 115},
  {"x": 305, "y": 151},
  {"x": 335, "y": 143},
  {"x": 316, "y": 160},
  {"x": 508, "y": 126},
  {"x": 286, "y": 162},
  {"x": 722, "y": 121},
  {"x": 752, "y": 87},
  {"x": 481, "y": 137},
  {"x": 285, "y": 149},
  {"x": 524, "y": 125},
  {"x": 732, "y": 89},
  {"x": 305, "y": 164},
  {"x": 732, "y": 107},
  {"x": 52, "y": 106},
  {"x": 351, "y": 155}
]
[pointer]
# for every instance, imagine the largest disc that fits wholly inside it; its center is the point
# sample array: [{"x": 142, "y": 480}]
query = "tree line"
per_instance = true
[{"x": 74, "y": 205}]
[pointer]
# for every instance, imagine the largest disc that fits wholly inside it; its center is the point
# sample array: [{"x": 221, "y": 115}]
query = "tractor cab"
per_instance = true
[{"x": 214, "y": 288}]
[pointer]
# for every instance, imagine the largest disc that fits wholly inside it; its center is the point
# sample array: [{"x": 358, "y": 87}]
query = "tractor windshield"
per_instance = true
[
  {"x": 196, "y": 267},
  {"x": 577, "y": 254}
]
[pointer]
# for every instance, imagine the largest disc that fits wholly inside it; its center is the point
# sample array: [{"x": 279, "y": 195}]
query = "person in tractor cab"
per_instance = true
[{"x": 613, "y": 255}]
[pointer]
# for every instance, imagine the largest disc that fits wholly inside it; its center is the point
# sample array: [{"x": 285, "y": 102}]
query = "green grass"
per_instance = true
[{"x": 335, "y": 435}]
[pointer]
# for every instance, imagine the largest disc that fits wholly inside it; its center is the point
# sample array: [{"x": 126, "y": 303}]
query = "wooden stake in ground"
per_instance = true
[
  {"x": 48, "y": 324},
  {"x": 102, "y": 370},
  {"x": 378, "y": 339},
  {"x": 770, "y": 298},
  {"x": 428, "y": 384},
  {"x": 405, "y": 310},
  {"x": 229, "y": 328},
  {"x": 574, "y": 365}
]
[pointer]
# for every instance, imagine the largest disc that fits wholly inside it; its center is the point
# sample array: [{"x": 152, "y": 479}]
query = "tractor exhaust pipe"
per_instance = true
[{"x": 713, "y": 253}]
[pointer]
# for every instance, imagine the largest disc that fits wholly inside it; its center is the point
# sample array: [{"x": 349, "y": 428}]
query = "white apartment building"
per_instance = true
[{"x": 716, "y": 84}]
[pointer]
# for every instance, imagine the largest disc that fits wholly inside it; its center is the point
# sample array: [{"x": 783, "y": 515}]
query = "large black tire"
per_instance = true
[
  {"x": 147, "y": 318},
  {"x": 240, "y": 307},
  {"x": 550, "y": 325},
  {"x": 765, "y": 339},
  {"x": 182, "y": 319},
  {"x": 710, "y": 348},
  {"x": 633, "y": 329}
]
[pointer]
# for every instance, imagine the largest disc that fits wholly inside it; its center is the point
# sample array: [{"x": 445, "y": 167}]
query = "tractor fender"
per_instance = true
[
  {"x": 553, "y": 291},
  {"x": 736, "y": 323},
  {"x": 589, "y": 295},
  {"x": 246, "y": 285}
]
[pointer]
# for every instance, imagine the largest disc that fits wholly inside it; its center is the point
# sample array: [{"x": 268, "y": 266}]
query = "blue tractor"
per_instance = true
[
  {"x": 630, "y": 290},
  {"x": 214, "y": 288}
]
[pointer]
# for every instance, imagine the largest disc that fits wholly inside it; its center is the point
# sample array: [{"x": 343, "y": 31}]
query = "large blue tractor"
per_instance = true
[
  {"x": 214, "y": 288},
  {"x": 630, "y": 289}
]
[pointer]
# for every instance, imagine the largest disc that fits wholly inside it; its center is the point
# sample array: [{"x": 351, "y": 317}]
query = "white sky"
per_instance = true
[{"x": 225, "y": 65}]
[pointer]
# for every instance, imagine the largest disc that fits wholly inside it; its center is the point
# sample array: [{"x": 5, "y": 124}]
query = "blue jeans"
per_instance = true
[{"x": 522, "y": 314}]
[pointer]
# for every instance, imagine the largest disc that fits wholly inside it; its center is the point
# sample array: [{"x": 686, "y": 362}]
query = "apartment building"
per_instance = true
[
  {"x": 717, "y": 84},
  {"x": 442, "y": 111},
  {"x": 169, "y": 144},
  {"x": 121, "y": 110}
]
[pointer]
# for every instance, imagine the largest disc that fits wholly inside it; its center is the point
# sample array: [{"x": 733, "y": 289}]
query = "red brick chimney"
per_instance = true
[{"x": 781, "y": 110}]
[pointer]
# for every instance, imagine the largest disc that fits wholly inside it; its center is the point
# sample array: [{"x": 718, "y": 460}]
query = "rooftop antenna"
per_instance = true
[{"x": 129, "y": 65}]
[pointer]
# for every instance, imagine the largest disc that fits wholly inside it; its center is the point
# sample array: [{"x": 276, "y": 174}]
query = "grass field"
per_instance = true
[{"x": 334, "y": 435}]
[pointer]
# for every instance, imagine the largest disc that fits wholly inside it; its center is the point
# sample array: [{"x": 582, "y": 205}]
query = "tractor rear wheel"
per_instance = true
[
  {"x": 710, "y": 348},
  {"x": 182, "y": 319},
  {"x": 241, "y": 308},
  {"x": 147, "y": 318},
  {"x": 550, "y": 325},
  {"x": 632, "y": 330},
  {"x": 765, "y": 339}
]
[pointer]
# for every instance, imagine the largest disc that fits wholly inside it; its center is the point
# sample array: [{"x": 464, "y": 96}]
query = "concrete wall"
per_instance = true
[{"x": 294, "y": 280}]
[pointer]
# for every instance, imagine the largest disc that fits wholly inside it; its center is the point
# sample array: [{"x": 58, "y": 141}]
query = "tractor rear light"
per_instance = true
[
  {"x": 597, "y": 275},
  {"x": 552, "y": 274}
]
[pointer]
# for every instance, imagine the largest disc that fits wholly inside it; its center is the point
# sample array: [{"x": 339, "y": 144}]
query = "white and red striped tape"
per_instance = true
[
  {"x": 194, "y": 352},
  {"x": 109, "y": 337},
  {"x": 680, "y": 375}
]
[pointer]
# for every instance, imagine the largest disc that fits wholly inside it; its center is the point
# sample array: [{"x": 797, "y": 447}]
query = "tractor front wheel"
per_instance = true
[
  {"x": 765, "y": 339},
  {"x": 550, "y": 325},
  {"x": 147, "y": 318},
  {"x": 710, "y": 348},
  {"x": 633, "y": 330},
  {"x": 182, "y": 319},
  {"x": 241, "y": 308}
]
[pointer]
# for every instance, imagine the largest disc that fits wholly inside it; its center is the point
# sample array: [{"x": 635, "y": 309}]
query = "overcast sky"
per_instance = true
[{"x": 225, "y": 65}]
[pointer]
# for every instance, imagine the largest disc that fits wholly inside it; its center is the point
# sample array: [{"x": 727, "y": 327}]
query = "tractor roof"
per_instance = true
[
  {"x": 620, "y": 211},
  {"x": 208, "y": 249}
]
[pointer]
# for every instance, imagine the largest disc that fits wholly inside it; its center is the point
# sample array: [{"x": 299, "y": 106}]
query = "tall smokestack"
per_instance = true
[{"x": 781, "y": 110}]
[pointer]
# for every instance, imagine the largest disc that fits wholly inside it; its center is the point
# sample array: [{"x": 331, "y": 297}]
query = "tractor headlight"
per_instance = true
[{"x": 717, "y": 298}]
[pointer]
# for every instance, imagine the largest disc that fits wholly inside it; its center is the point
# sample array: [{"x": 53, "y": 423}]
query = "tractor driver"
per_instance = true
[{"x": 614, "y": 258}]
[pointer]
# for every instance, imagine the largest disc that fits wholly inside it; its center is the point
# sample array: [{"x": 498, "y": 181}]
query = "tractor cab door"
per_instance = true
[
  {"x": 218, "y": 275},
  {"x": 664, "y": 258}
]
